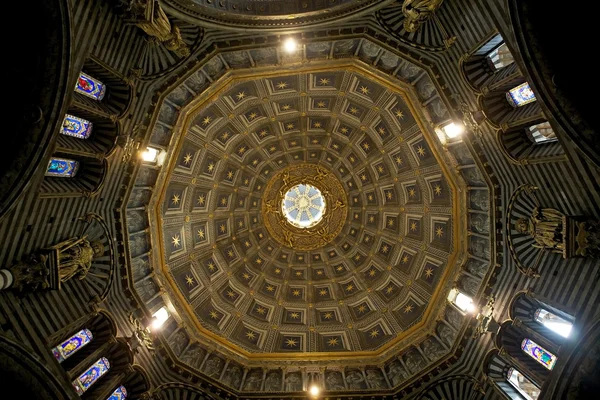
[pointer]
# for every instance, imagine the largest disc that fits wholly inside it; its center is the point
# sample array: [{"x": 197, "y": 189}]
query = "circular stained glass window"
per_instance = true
[{"x": 303, "y": 205}]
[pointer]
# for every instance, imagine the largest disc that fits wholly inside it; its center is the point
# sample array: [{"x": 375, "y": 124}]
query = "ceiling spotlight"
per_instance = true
[
  {"x": 150, "y": 154},
  {"x": 471, "y": 308},
  {"x": 452, "y": 129},
  {"x": 314, "y": 390},
  {"x": 290, "y": 45},
  {"x": 159, "y": 318}
]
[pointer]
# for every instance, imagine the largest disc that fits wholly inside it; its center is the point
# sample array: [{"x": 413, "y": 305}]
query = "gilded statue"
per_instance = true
[
  {"x": 338, "y": 204},
  {"x": 416, "y": 12},
  {"x": 150, "y": 17},
  {"x": 59, "y": 263},
  {"x": 75, "y": 257},
  {"x": 545, "y": 226},
  {"x": 288, "y": 238}
]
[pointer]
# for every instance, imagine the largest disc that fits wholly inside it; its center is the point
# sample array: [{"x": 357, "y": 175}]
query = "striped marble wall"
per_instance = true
[{"x": 572, "y": 186}]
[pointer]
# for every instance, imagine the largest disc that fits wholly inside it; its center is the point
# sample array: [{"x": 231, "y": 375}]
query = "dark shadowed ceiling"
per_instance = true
[{"x": 270, "y": 14}]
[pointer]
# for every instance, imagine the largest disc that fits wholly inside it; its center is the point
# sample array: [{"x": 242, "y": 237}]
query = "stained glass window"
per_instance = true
[
  {"x": 520, "y": 95},
  {"x": 89, "y": 377},
  {"x": 538, "y": 353},
  {"x": 62, "y": 167},
  {"x": 553, "y": 322},
  {"x": 67, "y": 348},
  {"x": 77, "y": 127},
  {"x": 120, "y": 393},
  {"x": 90, "y": 87},
  {"x": 523, "y": 385},
  {"x": 303, "y": 205}
]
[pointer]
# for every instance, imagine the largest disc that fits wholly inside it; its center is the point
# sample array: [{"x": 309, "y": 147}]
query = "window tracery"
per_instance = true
[
  {"x": 538, "y": 353},
  {"x": 91, "y": 375},
  {"x": 90, "y": 87},
  {"x": 73, "y": 344},
  {"x": 62, "y": 167}
]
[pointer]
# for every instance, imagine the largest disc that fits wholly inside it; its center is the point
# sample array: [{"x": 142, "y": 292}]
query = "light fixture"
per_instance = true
[
  {"x": 485, "y": 319},
  {"x": 159, "y": 318},
  {"x": 150, "y": 154},
  {"x": 462, "y": 301},
  {"x": 314, "y": 390},
  {"x": 290, "y": 45},
  {"x": 453, "y": 129}
]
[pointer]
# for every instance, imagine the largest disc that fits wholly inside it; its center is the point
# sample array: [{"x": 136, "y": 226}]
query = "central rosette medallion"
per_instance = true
[{"x": 304, "y": 206}]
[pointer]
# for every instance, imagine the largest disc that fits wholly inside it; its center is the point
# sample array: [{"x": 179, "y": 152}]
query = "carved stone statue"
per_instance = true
[
  {"x": 376, "y": 379},
  {"x": 476, "y": 267},
  {"x": 193, "y": 356},
  {"x": 432, "y": 349},
  {"x": 545, "y": 226},
  {"x": 233, "y": 376},
  {"x": 445, "y": 333},
  {"x": 273, "y": 382},
  {"x": 30, "y": 273},
  {"x": 253, "y": 381},
  {"x": 416, "y": 12},
  {"x": 396, "y": 373},
  {"x": 333, "y": 381},
  {"x": 454, "y": 317},
  {"x": 469, "y": 285},
  {"x": 414, "y": 362},
  {"x": 355, "y": 380},
  {"x": 59, "y": 263},
  {"x": 150, "y": 17},
  {"x": 480, "y": 224},
  {"x": 479, "y": 248},
  {"x": 75, "y": 257},
  {"x": 480, "y": 200},
  {"x": 178, "y": 342},
  {"x": 213, "y": 367},
  {"x": 293, "y": 382}
]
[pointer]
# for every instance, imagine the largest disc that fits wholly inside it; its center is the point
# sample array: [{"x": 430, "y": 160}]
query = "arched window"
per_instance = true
[
  {"x": 90, "y": 87},
  {"x": 553, "y": 322},
  {"x": 62, "y": 167},
  {"x": 541, "y": 133},
  {"x": 520, "y": 95},
  {"x": 89, "y": 377},
  {"x": 500, "y": 57},
  {"x": 523, "y": 385},
  {"x": 73, "y": 344},
  {"x": 538, "y": 353},
  {"x": 120, "y": 393},
  {"x": 76, "y": 127}
]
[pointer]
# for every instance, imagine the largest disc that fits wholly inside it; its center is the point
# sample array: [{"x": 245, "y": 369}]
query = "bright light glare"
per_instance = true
[
  {"x": 290, "y": 45},
  {"x": 563, "y": 329},
  {"x": 464, "y": 302},
  {"x": 314, "y": 390},
  {"x": 452, "y": 130},
  {"x": 554, "y": 322},
  {"x": 150, "y": 154},
  {"x": 159, "y": 318}
]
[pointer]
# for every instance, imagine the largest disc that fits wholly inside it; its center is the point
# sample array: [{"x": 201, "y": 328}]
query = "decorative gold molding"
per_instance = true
[{"x": 333, "y": 218}]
